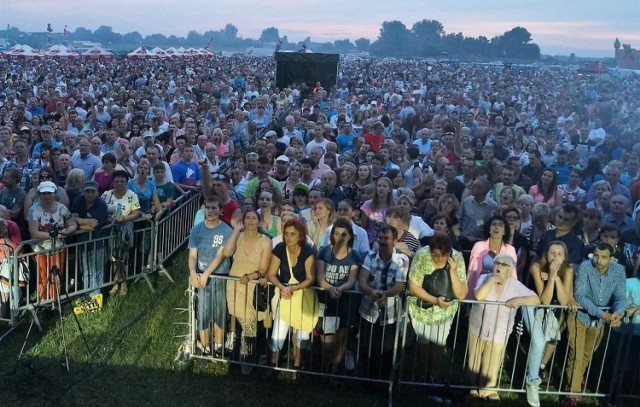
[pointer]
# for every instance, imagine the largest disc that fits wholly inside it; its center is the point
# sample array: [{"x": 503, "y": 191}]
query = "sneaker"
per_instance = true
[
  {"x": 230, "y": 342},
  {"x": 533, "y": 398},
  {"x": 218, "y": 350}
]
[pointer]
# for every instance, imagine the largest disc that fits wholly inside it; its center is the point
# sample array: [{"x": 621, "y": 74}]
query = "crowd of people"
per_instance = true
[{"x": 438, "y": 181}]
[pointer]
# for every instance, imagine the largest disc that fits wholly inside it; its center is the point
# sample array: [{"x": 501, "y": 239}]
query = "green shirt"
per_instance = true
[{"x": 423, "y": 265}]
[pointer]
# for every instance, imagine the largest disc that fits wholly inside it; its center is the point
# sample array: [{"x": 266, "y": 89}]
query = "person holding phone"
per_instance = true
[{"x": 432, "y": 313}]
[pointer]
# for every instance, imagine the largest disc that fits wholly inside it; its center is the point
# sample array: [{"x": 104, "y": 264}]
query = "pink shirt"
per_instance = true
[
  {"x": 538, "y": 197},
  {"x": 494, "y": 323},
  {"x": 481, "y": 249}
]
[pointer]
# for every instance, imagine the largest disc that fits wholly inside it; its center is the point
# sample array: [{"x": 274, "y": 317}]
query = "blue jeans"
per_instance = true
[
  {"x": 92, "y": 260},
  {"x": 534, "y": 323}
]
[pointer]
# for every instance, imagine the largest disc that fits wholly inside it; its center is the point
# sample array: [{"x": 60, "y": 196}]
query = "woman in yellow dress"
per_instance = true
[{"x": 250, "y": 262}]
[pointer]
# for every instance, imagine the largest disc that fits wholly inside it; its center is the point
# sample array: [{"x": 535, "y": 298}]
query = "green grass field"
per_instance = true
[{"x": 133, "y": 344}]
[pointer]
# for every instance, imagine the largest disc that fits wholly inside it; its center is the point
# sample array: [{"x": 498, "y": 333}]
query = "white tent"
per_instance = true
[
  {"x": 142, "y": 53},
  {"x": 60, "y": 52},
  {"x": 23, "y": 52},
  {"x": 160, "y": 52},
  {"x": 172, "y": 52},
  {"x": 98, "y": 53},
  {"x": 192, "y": 52}
]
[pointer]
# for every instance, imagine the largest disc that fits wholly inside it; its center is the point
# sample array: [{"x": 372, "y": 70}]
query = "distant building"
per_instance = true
[{"x": 627, "y": 57}]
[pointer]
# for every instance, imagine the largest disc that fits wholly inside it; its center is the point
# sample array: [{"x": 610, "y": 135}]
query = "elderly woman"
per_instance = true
[
  {"x": 491, "y": 324},
  {"x": 484, "y": 252},
  {"x": 124, "y": 208},
  {"x": 432, "y": 313}
]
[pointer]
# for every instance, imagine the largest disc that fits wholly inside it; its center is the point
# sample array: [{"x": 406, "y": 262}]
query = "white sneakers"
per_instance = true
[{"x": 533, "y": 398}]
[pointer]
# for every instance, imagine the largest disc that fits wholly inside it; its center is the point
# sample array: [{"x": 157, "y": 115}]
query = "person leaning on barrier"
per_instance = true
[
  {"x": 250, "y": 262},
  {"x": 491, "y": 324},
  {"x": 337, "y": 272},
  {"x": 91, "y": 213},
  {"x": 124, "y": 207},
  {"x": 552, "y": 276},
  {"x": 291, "y": 271},
  {"x": 431, "y": 315},
  {"x": 599, "y": 283},
  {"x": 209, "y": 250},
  {"x": 49, "y": 222},
  {"x": 382, "y": 279}
]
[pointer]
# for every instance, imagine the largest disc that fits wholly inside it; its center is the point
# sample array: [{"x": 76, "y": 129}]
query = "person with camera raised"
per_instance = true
[{"x": 50, "y": 222}]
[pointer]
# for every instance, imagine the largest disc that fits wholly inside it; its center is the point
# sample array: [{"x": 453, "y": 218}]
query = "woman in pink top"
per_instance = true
[
  {"x": 483, "y": 252},
  {"x": 546, "y": 190},
  {"x": 491, "y": 324}
]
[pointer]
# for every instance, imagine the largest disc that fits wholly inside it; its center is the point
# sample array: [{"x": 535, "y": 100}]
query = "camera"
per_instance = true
[{"x": 54, "y": 228}]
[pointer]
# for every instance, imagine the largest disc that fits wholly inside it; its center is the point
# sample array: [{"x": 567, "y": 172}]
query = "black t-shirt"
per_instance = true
[
  {"x": 337, "y": 270},
  {"x": 571, "y": 240},
  {"x": 280, "y": 251}
]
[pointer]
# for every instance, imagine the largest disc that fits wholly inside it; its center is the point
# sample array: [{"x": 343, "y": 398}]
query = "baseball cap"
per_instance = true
[
  {"x": 283, "y": 158},
  {"x": 47, "y": 186},
  {"x": 25, "y": 128},
  {"x": 90, "y": 185},
  {"x": 301, "y": 187}
]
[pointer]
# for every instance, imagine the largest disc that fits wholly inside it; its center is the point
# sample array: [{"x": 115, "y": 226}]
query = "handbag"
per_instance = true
[
  {"x": 302, "y": 310},
  {"x": 438, "y": 284},
  {"x": 262, "y": 297}
]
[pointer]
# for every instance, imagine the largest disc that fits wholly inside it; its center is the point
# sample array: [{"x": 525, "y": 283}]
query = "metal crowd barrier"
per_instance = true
[
  {"x": 87, "y": 254},
  {"x": 335, "y": 349},
  {"x": 391, "y": 355},
  {"x": 625, "y": 377}
]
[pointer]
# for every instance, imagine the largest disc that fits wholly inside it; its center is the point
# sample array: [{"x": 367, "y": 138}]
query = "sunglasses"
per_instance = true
[
  {"x": 45, "y": 176},
  {"x": 219, "y": 177}
]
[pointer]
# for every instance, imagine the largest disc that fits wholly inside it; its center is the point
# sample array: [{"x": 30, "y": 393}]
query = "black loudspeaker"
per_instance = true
[{"x": 298, "y": 67}]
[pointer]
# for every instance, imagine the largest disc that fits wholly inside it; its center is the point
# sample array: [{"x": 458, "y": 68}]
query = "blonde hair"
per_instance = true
[{"x": 75, "y": 179}]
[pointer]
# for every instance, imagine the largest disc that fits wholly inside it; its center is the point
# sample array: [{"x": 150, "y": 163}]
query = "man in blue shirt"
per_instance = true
[
  {"x": 600, "y": 293},
  {"x": 210, "y": 246},
  {"x": 186, "y": 172}
]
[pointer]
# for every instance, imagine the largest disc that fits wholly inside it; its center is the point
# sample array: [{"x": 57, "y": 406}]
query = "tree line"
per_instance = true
[{"x": 426, "y": 38}]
